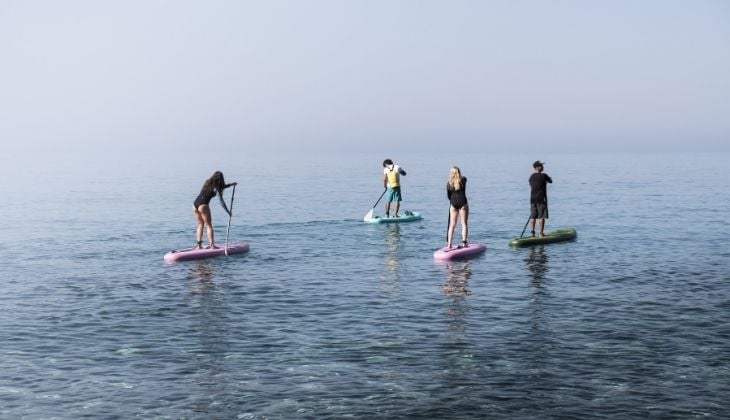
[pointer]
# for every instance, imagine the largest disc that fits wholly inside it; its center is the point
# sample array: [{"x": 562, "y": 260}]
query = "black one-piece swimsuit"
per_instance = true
[
  {"x": 204, "y": 197},
  {"x": 457, "y": 198}
]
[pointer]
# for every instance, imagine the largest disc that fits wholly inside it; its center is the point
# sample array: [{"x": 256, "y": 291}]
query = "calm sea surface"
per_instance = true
[{"x": 329, "y": 317}]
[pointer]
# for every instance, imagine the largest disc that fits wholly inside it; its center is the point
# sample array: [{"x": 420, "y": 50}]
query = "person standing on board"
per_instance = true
[
  {"x": 456, "y": 193},
  {"x": 201, "y": 206},
  {"x": 538, "y": 198},
  {"x": 391, "y": 181}
]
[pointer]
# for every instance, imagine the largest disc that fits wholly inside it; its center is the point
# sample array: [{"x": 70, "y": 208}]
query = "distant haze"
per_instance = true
[{"x": 150, "y": 77}]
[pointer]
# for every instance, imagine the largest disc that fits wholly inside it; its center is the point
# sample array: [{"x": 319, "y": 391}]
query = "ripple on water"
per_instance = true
[{"x": 334, "y": 318}]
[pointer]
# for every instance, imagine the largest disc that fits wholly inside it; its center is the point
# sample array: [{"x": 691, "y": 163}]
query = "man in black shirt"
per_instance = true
[{"x": 538, "y": 198}]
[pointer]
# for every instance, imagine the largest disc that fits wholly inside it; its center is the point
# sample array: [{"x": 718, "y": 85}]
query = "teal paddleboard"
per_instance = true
[
  {"x": 409, "y": 217},
  {"x": 557, "y": 235}
]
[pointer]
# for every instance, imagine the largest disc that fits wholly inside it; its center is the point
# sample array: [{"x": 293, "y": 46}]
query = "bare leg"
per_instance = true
[
  {"x": 453, "y": 213},
  {"x": 207, "y": 219},
  {"x": 532, "y": 227},
  {"x": 541, "y": 224},
  {"x": 397, "y": 206},
  {"x": 387, "y": 209},
  {"x": 211, "y": 236},
  {"x": 464, "y": 212},
  {"x": 199, "y": 229}
]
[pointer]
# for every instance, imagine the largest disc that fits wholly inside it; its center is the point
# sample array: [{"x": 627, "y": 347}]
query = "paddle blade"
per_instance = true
[{"x": 368, "y": 216}]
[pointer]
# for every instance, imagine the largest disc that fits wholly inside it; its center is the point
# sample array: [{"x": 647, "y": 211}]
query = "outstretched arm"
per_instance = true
[{"x": 223, "y": 203}]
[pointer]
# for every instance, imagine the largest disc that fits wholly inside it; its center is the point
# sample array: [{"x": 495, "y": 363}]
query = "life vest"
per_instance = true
[{"x": 393, "y": 178}]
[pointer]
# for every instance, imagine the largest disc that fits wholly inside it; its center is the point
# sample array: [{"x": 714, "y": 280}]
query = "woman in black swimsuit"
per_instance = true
[
  {"x": 201, "y": 206},
  {"x": 456, "y": 192}
]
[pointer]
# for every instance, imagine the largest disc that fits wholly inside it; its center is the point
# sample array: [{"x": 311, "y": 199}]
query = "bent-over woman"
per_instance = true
[{"x": 201, "y": 206}]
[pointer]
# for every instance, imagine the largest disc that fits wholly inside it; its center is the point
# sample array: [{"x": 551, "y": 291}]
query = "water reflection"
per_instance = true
[
  {"x": 537, "y": 264},
  {"x": 208, "y": 315},
  {"x": 392, "y": 243},
  {"x": 457, "y": 279},
  {"x": 539, "y": 339},
  {"x": 201, "y": 272},
  {"x": 458, "y": 349},
  {"x": 389, "y": 280}
]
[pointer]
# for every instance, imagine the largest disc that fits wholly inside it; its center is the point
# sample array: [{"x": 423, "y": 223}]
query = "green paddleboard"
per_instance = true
[
  {"x": 411, "y": 217},
  {"x": 557, "y": 235}
]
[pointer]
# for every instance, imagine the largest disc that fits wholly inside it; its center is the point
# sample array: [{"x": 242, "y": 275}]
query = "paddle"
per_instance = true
[
  {"x": 369, "y": 215},
  {"x": 230, "y": 215},
  {"x": 523, "y": 229},
  {"x": 448, "y": 224}
]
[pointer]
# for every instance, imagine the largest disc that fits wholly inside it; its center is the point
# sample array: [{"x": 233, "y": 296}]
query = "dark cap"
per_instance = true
[{"x": 537, "y": 163}]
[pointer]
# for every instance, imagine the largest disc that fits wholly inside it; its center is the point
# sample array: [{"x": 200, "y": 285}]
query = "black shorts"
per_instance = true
[{"x": 538, "y": 211}]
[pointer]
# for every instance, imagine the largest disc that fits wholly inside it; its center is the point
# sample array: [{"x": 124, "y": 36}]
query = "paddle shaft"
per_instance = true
[
  {"x": 230, "y": 215},
  {"x": 448, "y": 225},
  {"x": 380, "y": 198},
  {"x": 523, "y": 229}
]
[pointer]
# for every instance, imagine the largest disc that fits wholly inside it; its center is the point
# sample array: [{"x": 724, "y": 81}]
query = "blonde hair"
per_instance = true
[{"x": 455, "y": 178}]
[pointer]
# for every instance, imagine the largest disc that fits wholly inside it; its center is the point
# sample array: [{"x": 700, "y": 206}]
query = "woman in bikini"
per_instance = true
[
  {"x": 201, "y": 206},
  {"x": 456, "y": 192}
]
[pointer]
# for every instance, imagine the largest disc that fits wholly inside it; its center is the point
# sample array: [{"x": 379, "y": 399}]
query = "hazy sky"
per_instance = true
[{"x": 152, "y": 76}]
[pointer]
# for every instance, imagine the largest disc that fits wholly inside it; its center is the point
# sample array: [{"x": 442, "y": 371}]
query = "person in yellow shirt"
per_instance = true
[{"x": 391, "y": 181}]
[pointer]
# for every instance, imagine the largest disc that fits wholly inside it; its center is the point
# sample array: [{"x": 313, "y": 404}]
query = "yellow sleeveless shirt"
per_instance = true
[{"x": 393, "y": 178}]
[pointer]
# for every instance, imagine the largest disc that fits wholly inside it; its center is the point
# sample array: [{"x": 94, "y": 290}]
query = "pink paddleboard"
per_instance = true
[
  {"x": 445, "y": 254},
  {"x": 201, "y": 253}
]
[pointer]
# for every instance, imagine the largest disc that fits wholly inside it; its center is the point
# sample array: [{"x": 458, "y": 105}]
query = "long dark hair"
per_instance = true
[{"x": 217, "y": 183}]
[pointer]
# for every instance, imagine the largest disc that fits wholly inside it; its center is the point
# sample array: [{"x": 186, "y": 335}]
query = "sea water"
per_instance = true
[{"x": 330, "y": 317}]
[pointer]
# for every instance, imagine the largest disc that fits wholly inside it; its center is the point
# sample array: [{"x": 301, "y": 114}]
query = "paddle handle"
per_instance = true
[{"x": 230, "y": 215}]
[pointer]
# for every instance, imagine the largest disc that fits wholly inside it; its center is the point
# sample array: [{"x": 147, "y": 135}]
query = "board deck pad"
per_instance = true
[
  {"x": 455, "y": 253},
  {"x": 405, "y": 217},
  {"x": 202, "y": 253},
  {"x": 557, "y": 235}
]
